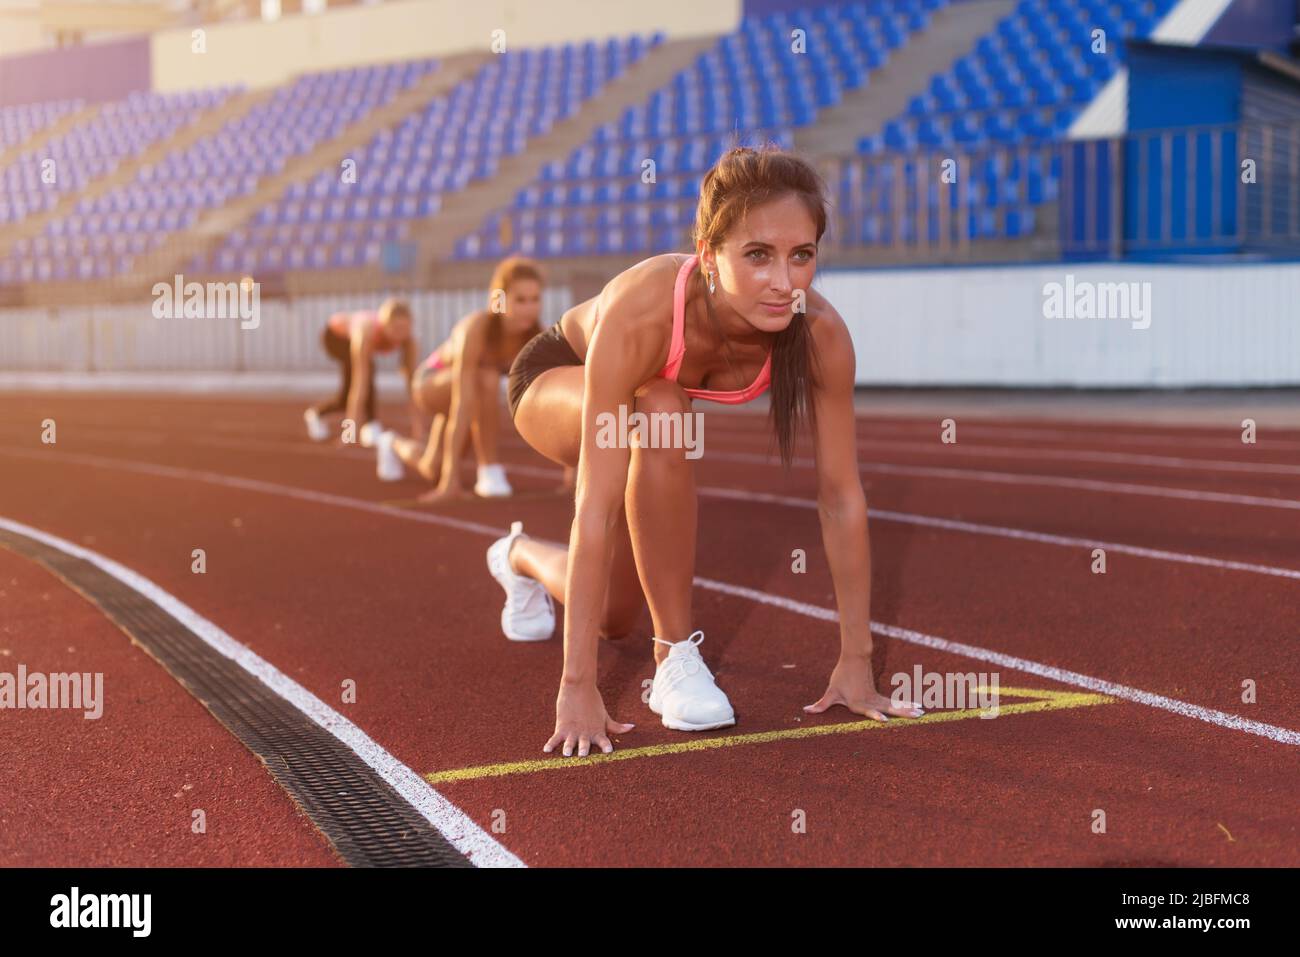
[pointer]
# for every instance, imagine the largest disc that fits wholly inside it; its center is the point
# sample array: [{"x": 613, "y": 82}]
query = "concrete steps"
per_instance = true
[
  {"x": 464, "y": 211},
  {"x": 212, "y": 229},
  {"x": 953, "y": 32}
]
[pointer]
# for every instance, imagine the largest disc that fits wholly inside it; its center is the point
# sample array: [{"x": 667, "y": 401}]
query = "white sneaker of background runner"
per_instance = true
[
  {"x": 370, "y": 433},
  {"x": 317, "y": 430},
  {"x": 492, "y": 482},
  {"x": 387, "y": 465}
]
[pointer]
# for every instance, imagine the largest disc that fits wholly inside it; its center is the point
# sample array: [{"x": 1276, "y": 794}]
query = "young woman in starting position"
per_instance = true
[
  {"x": 353, "y": 339},
  {"x": 725, "y": 324},
  {"x": 457, "y": 388}
]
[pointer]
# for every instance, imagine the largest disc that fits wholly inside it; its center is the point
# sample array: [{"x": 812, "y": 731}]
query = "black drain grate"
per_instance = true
[{"x": 362, "y": 816}]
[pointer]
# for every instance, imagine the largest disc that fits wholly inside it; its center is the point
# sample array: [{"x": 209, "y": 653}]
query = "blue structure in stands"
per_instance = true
[
  {"x": 1204, "y": 190},
  {"x": 998, "y": 107}
]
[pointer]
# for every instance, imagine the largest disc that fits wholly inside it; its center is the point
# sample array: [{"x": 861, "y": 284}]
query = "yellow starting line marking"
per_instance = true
[{"x": 1042, "y": 700}]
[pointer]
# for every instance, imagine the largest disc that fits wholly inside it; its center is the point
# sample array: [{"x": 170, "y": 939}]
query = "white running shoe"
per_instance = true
[
  {"x": 492, "y": 482},
  {"x": 369, "y": 434},
  {"x": 387, "y": 465},
  {"x": 317, "y": 430},
  {"x": 684, "y": 693},
  {"x": 529, "y": 613}
]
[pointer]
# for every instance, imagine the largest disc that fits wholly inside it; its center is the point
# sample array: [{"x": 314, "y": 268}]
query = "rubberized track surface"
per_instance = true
[{"x": 1127, "y": 686}]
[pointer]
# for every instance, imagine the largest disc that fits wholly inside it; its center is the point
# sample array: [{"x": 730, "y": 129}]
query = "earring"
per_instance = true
[{"x": 712, "y": 287}]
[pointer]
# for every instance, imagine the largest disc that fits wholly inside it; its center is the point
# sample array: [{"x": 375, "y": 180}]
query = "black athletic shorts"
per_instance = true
[{"x": 546, "y": 350}]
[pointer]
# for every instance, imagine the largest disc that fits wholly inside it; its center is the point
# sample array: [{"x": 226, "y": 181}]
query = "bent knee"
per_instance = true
[
  {"x": 660, "y": 395},
  {"x": 667, "y": 427}
]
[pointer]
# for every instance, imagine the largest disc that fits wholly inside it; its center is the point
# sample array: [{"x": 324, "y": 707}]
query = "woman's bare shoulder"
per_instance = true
[
  {"x": 830, "y": 336},
  {"x": 824, "y": 320},
  {"x": 643, "y": 291},
  {"x": 471, "y": 323},
  {"x": 633, "y": 313}
]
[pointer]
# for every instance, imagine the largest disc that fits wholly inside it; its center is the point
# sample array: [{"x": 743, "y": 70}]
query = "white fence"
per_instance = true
[
  {"x": 1209, "y": 325},
  {"x": 1216, "y": 325},
  {"x": 287, "y": 337}
]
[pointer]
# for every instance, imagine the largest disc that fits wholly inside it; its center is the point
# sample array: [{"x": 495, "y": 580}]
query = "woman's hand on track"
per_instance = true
[
  {"x": 853, "y": 686},
  {"x": 581, "y": 718}
]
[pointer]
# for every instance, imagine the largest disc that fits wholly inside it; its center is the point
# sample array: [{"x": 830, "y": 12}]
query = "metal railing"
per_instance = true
[{"x": 1230, "y": 189}]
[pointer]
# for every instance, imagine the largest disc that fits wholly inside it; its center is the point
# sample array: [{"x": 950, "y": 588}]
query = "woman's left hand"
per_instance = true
[{"x": 853, "y": 686}]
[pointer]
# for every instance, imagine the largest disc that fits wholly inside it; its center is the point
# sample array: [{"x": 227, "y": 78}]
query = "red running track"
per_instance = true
[{"x": 1202, "y": 592}]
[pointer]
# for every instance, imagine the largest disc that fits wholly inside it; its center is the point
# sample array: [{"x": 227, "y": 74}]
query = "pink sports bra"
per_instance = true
[
  {"x": 434, "y": 362},
  {"x": 342, "y": 322},
  {"x": 677, "y": 351}
]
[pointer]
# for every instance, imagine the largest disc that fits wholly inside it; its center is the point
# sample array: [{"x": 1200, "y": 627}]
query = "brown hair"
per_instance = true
[
  {"x": 741, "y": 179},
  {"x": 396, "y": 308},
  {"x": 509, "y": 271}
]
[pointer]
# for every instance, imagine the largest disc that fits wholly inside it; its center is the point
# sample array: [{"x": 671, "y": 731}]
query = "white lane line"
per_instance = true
[
  {"x": 960, "y": 473},
  {"x": 1032, "y": 453},
  {"x": 973, "y": 528},
  {"x": 1089, "y": 455},
  {"x": 457, "y": 827},
  {"x": 916, "y": 471},
  {"x": 254, "y": 485},
  {"x": 1221, "y": 718},
  {"x": 1186, "y": 709},
  {"x": 868, "y": 428},
  {"x": 956, "y": 525},
  {"x": 1024, "y": 478}
]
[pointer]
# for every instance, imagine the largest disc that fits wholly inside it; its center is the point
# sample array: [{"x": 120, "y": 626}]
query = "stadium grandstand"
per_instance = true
[{"x": 333, "y": 151}]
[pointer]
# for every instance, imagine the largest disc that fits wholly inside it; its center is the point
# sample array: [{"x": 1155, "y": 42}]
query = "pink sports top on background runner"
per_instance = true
[
  {"x": 677, "y": 351},
  {"x": 341, "y": 324},
  {"x": 434, "y": 361}
]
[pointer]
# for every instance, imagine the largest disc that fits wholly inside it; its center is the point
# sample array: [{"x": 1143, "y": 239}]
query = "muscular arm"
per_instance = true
[
  {"x": 467, "y": 354},
  {"x": 841, "y": 503},
  {"x": 409, "y": 363},
  {"x": 361, "y": 348}
]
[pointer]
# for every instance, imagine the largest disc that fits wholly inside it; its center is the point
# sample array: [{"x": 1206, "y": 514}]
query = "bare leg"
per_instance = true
[
  {"x": 660, "y": 504},
  {"x": 432, "y": 397},
  {"x": 659, "y": 512},
  {"x": 426, "y": 457},
  {"x": 549, "y": 563},
  {"x": 487, "y": 422}
]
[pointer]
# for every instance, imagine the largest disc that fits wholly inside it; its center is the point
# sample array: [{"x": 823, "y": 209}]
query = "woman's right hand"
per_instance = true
[{"x": 580, "y": 717}]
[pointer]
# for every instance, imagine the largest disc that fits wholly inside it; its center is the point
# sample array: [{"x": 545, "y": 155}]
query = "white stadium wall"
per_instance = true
[
  {"x": 20, "y": 34},
  {"x": 1229, "y": 325},
  {"x": 1223, "y": 325},
  {"x": 287, "y": 337}
]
